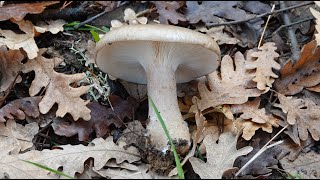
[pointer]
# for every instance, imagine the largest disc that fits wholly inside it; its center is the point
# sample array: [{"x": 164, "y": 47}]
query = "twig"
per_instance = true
[
  {"x": 298, "y": 22},
  {"x": 291, "y": 34},
  {"x": 91, "y": 19},
  {"x": 265, "y": 27},
  {"x": 260, "y": 16}
]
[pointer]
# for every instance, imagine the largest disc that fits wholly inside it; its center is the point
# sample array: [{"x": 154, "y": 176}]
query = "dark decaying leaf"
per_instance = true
[
  {"x": 168, "y": 12},
  {"x": 20, "y": 108},
  {"x": 101, "y": 118},
  {"x": 208, "y": 10},
  {"x": 259, "y": 165},
  {"x": 256, "y": 7},
  {"x": 18, "y": 11}
]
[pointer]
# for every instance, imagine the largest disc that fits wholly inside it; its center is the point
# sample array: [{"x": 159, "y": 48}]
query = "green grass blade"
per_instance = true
[
  {"x": 48, "y": 169},
  {"x": 95, "y": 35},
  {"x": 176, "y": 158}
]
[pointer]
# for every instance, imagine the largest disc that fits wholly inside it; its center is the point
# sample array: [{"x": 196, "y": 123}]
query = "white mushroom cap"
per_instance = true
[{"x": 122, "y": 51}]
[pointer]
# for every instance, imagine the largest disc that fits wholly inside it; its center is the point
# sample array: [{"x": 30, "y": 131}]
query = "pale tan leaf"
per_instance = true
[
  {"x": 138, "y": 91},
  {"x": 303, "y": 115},
  {"x": 21, "y": 135},
  {"x": 53, "y": 26},
  {"x": 249, "y": 127},
  {"x": 58, "y": 89},
  {"x": 220, "y": 157},
  {"x": 233, "y": 87},
  {"x": 71, "y": 158},
  {"x": 250, "y": 110},
  {"x": 263, "y": 61},
  {"x": 316, "y": 14},
  {"x": 131, "y": 17},
  {"x": 141, "y": 173},
  {"x": 25, "y": 41}
]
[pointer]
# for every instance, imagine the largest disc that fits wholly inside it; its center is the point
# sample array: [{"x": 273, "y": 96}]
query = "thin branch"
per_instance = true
[
  {"x": 291, "y": 34},
  {"x": 298, "y": 22},
  {"x": 260, "y": 16}
]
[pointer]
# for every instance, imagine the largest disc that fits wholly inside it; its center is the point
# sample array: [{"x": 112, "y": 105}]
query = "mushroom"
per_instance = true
[{"x": 161, "y": 56}]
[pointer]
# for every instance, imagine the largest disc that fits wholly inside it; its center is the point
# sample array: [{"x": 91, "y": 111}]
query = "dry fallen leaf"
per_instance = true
[
  {"x": 208, "y": 11},
  {"x": 262, "y": 62},
  {"x": 70, "y": 158},
  {"x": 219, "y": 35},
  {"x": 220, "y": 157},
  {"x": 316, "y": 14},
  {"x": 306, "y": 165},
  {"x": 101, "y": 119},
  {"x": 250, "y": 110},
  {"x": 233, "y": 87},
  {"x": 260, "y": 165},
  {"x": 20, "y": 108},
  {"x": 302, "y": 115},
  {"x": 53, "y": 26},
  {"x": 58, "y": 89},
  {"x": 304, "y": 73},
  {"x": 17, "y": 134},
  {"x": 131, "y": 17},
  {"x": 25, "y": 41},
  {"x": 168, "y": 12},
  {"x": 18, "y": 11},
  {"x": 10, "y": 65}
]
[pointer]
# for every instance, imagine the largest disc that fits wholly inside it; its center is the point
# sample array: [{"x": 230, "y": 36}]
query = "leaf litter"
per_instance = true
[{"x": 47, "y": 99}]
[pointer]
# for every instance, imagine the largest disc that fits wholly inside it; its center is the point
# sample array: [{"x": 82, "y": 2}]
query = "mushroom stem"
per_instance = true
[{"x": 162, "y": 89}]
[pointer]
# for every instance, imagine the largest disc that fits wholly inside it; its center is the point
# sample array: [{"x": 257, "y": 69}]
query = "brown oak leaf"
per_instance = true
[
  {"x": 250, "y": 110},
  {"x": 10, "y": 65},
  {"x": 18, "y": 11},
  {"x": 20, "y": 108},
  {"x": 58, "y": 89},
  {"x": 168, "y": 12},
  {"x": 263, "y": 61},
  {"x": 101, "y": 118},
  {"x": 304, "y": 73},
  {"x": 234, "y": 86},
  {"x": 302, "y": 115}
]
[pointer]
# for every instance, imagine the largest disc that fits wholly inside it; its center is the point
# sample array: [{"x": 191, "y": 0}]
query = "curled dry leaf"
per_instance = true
[
  {"x": 18, "y": 11},
  {"x": 21, "y": 136},
  {"x": 260, "y": 165},
  {"x": 220, "y": 157},
  {"x": 58, "y": 89},
  {"x": 262, "y": 62},
  {"x": 304, "y": 73},
  {"x": 70, "y": 158},
  {"x": 20, "y": 108},
  {"x": 101, "y": 119},
  {"x": 10, "y": 65},
  {"x": 168, "y": 12},
  {"x": 234, "y": 86},
  {"x": 130, "y": 17},
  {"x": 302, "y": 115}
]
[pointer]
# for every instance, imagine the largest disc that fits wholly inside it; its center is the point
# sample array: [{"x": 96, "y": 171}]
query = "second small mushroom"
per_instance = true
[{"x": 160, "y": 56}]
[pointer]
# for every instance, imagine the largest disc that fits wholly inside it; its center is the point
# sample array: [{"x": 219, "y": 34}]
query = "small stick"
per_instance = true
[
  {"x": 260, "y": 16},
  {"x": 265, "y": 26},
  {"x": 292, "y": 36},
  {"x": 298, "y": 22}
]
